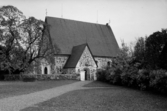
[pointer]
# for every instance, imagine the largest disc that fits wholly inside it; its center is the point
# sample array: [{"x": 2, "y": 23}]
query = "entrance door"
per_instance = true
[
  {"x": 87, "y": 74},
  {"x": 45, "y": 70}
]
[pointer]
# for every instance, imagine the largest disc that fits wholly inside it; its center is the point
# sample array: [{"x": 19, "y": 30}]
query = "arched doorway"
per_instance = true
[
  {"x": 87, "y": 73},
  {"x": 45, "y": 70}
]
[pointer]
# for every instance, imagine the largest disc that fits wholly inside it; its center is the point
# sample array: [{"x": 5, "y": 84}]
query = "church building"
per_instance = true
[{"x": 83, "y": 47}]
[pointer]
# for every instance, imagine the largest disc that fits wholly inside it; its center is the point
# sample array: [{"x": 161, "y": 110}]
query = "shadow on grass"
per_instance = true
[
  {"x": 108, "y": 98},
  {"x": 105, "y": 84}
]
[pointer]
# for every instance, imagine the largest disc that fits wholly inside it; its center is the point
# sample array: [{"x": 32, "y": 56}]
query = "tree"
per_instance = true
[
  {"x": 25, "y": 41},
  {"x": 10, "y": 20},
  {"x": 163, "y": 56},
  {"x": 122, "y": 69},
  {"x": 35, "y": 43},
  {"x": 139, "y": 52},
  {"x": 154, "y": 46}
]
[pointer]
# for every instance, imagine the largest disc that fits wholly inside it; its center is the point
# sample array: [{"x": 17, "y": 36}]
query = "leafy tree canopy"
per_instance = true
[
  {"x": 154, "y": 46},
  {"x": 22, "y": 39},
  {"x": 150, "y": 51}
]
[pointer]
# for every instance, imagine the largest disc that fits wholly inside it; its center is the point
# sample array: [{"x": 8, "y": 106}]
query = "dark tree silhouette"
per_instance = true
[
  {"x": 154, "y": 46},
  {"x": 139, "y": 52}
]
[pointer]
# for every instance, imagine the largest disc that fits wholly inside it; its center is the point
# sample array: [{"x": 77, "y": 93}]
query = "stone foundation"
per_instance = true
[{"x": 44, "y": 77}]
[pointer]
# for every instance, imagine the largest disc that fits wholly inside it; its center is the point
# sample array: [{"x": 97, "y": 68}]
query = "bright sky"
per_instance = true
[{"x": 129, "y": 19}]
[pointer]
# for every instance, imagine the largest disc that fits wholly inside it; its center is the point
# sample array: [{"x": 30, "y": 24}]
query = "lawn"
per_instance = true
[
  {"x": 9, "y": 89},
  {"x": 108, "y": 98}
]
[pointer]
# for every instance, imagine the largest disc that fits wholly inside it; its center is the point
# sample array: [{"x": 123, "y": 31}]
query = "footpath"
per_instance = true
[{"x": 17, "y": 103}]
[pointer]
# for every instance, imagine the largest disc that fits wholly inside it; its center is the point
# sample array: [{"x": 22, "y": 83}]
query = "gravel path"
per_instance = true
[{"x": 17, "y": 103}]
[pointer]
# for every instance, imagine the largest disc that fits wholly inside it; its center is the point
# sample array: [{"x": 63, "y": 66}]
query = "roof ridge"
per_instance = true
[
  {"x": 75, "y": 20},
  {"x": 80, "y": 45}
]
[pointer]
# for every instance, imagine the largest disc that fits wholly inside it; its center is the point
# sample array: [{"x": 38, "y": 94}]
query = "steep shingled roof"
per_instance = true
[{"x": 68, "y": 33}]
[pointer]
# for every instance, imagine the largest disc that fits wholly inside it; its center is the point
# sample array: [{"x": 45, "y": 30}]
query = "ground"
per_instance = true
[
  {"x": 15, "y": 88},
  {"x": 99, "y": 96}
]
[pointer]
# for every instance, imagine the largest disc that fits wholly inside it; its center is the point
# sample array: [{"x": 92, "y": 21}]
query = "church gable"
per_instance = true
[
  {"x": 81, "y": 57},
  {"x": 75, "y": 56},
  {"x": 86, "y": 59}
]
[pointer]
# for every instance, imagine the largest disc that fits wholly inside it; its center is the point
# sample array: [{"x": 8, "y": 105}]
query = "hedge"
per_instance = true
[{"x": 155, "y": 80}]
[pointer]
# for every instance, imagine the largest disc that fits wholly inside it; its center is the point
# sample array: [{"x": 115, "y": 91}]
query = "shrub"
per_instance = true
[
  {"x": 12, "y": 77},
  {"x": 158, "y": 80},
  {"x": 129, "y": 77},
  {"x": 143, "y": 79},
  {"x": 115, "y": 76},
  {"x": 101, "y": 75},
  {"x": 28, "y": 78}
]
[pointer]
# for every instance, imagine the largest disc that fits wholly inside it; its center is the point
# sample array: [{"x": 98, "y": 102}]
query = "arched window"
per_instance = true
[
  {"x": 60, "y": 69},
  {"x": 45, "y": 70},
  {"x": 108, "y": 63}
]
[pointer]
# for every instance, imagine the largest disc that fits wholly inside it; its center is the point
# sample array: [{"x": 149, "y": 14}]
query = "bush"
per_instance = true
[
  {"x": 158, "y": 80},
  {"x": 109, "y": 75},
  {"x": 129, "y": 77},
  {"x": 143, "y": 79},
  {"x": 115, "y": 76},
  {"x": 12, "y": 77},
  {"x": 28, "y": 78},
  {"x": 102, "y": 75}
]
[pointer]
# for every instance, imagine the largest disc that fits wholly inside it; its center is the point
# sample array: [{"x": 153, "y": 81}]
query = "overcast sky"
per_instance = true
[{"x": 129, "y": 19}]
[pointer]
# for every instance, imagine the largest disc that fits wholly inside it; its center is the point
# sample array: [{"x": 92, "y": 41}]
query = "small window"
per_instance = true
[
  {"x": 78, "y": 70},
  {"x": 108, "y": 63},
  {"x": 60, "y": 69},
  {"x": 45, "y": 70}
]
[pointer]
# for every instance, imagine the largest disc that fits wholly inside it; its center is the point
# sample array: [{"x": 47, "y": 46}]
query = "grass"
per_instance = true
[
  {"x": 109, "y": 98},
  {"x": 98, "y": 84},
  {"x": 9, "y": 89}
]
